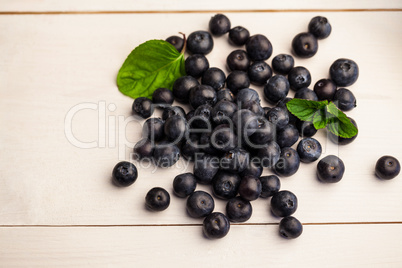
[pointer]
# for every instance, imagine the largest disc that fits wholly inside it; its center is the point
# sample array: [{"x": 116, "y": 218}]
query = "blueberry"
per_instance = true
[
  {"x": 282, "y": 104},
  {"x": 287, "y": 136},
  {"x": 190, "y": 148},
  {"x": 200, "y": 42},
  {"x": 124, "y": 174},
  {"x": 270, "y": 185},
  {"x": 246, "y": 95},
  {"x": 283, "y": 203},
  {"x": 238, "y": 35},
  {"x": 143, "y": 107},
  {"x": 182, "y": 86},
  {"x": 223, "y": 112},
  {"x": 343, "y": 141},
  {"x": 258, "y": 47},
  {"x": 305, "y": 45},
  {"x": 278, "y": 116},
  {"x": 214, "y": 77},
  {"x": 299, "y": 77},
  {"x": 283, "y": 63},
  {"x": 238, "y": 60},
  {"x": 200, "y": 204},
  {"x": 219, "y": 24},
  {"x": 171, "y": 111},
  {"x": 176, "y": 128},
  {"x": 239, "y": 209},
  {"x": 245, "y": 122},
  {"x": 288, "y": 163},
  {"x": 237, "y": 80},
  {"x": 309, "y": 150},
  {"x": 201, "y": 117},
  {"x": 189, "y": 115},
  {"x": 205, "y": 143},
  {"x": 276, "y": 89},
  {"x": 162, "y": 97},
  {"x": 254, "y": 168},
  {"x": 306, "y": 94},
  {"x": 330, "y": 169},
  {"x": 153, "y": 129},
  {"x": 215, "y": 226},
  {"x": 196, "y": 65},
  {"x": 223, "y": 138},
  {"x": 225, "y": 185},
  {"x": 166, "y": 154},
  {"x": 253, "y": 106},
  {"x": 387, "y": 167},
  {"x": 205, "y": 168},
  {"x": 202, "y": 94},
  {"x": 269, "y": 154},
  {"x": 344, "y": 72},
  {"x": 344, "y": 99},
  {"x": 184, "y": 184},
  {"x": 157, "y": 199},
  {"x": 325, "y": 89},
  {"x": 259, "y": 72},
  {"x": 290, "y": 227},
  {"x": 176, "y": 41},
  {"x": 250, "y": 188},
  {"x": 144, "y": 150},
  {"x": 235, "y": 160},
  {"x": 225, "y": 94},
  {"x": 266, "y": 132},
  {"x": 319, "y": 27},
  {"x": 305, "y": 128}
]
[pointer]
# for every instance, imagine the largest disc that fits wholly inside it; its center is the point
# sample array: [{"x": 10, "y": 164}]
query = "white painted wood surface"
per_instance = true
[
  {"x": 256, "y": 246},
  {"x": 183, "y": 5},
  {"x": 49, "y": 64}
]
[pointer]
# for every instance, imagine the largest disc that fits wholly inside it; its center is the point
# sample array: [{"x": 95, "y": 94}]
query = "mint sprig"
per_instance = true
[
  {"x": 323, "y": 114},
  {"x": 151, "y": 65}
]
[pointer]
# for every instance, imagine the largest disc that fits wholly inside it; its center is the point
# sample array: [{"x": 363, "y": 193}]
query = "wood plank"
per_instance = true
[
  {"x": 51, "y": 64},
  {"x": 251, "y": 246},
  {"x": 181, "y": 5}
]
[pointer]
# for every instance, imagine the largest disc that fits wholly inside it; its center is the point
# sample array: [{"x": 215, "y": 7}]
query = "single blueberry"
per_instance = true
[
  {"x": 283, "y": 63},
  {"x": 344, "y": 72},
  {"x": 330, "y": 169},
  {"x": 319, "y": 27},
  {"x": 202, "y": 94},
  {"x": 258, "y": 47},
  {"x": 387, "y": 167},
  {"x": 182, "y": 86},
  {"x": 143, "y": 107},
  {"x": 124, "y": 174},
  {"x": 290, "y": 227},
  {"x": 283, "y": 203},
  {"x": 216, "y": 225},
  {"x": 309, "y": 150},
  {"x": 238, "y": 35},
  {"x": 325, "y": 89},
  {"x": 157, "y": 199},
  {"x": 176, "y": 41},
  {"x": 184, "y": 184},
  {"x": 306, "y": 94},
  {"x": 144, "y": 150},
  {"x": 200, "y": 42},
  {"x": 305, "y": 45},
  {"x": 219, "y": 24},
  {"x": 238, "y": 60},
  {"x": 344, "y": 99},
  {"x": 299, "y": 77},
  {"x": 166, "y": 154},
  {"x": 237, "y": 80},
  {"x": 288, "y": 163},
  {"x": 162, "y": 97},
  {"x": 239, "y": 209},
  {"x": 225, "y": 185},
  {"x": 276, "y": 89},
  {"x": 259, "y": 72},
  {"x": 200, "y": 204},
  {"x": 196, "y": 65},
  {"x": 214, "y": 77},
  {"x": 270, "y": 185}
]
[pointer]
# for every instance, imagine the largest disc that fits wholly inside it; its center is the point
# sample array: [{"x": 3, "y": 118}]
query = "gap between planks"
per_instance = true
[
  {"x": 195, "y": 11},
  {"x": 194, "y": 224}
]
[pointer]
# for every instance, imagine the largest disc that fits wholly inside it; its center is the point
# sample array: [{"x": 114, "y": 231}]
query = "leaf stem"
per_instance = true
[{"x": 184, "y": 44}]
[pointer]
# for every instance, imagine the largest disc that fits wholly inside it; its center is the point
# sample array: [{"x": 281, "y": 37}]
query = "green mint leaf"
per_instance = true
[
  {"x": 305, "y": 109},
  {"x": 338, "y": 123},
  {"x": 151, "y": 65},
  {"x": 320, "y": 119}
]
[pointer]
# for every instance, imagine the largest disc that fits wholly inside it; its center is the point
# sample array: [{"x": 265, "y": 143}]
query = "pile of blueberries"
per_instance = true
[{"x": 230, "y": 137}]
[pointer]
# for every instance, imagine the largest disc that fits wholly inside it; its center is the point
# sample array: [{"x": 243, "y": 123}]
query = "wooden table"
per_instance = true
[{"x": 58, "y": 64}]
